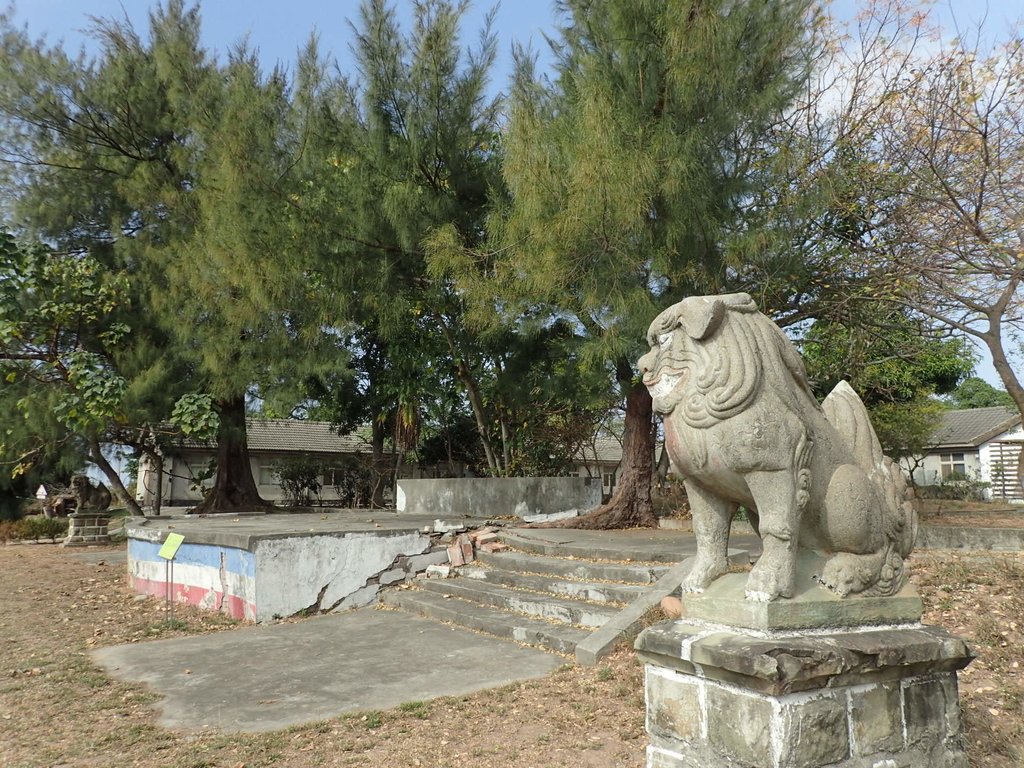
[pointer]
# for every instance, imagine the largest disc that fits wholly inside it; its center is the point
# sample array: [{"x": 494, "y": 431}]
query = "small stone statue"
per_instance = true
[
  {"x": 89, "y": 498},
  {"x": 743, "y": 428}
]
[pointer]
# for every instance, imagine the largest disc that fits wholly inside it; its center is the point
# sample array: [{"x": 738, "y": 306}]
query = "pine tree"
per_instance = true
[
  {"x": 629, "y": 173},
  {"x": 405, "y": 149},
  {"x": 171, "y": 170}
]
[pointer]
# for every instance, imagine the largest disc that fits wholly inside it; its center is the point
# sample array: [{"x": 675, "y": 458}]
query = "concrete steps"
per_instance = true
[
  {"x": 592, "y": 591},
  {"x": 572, "y": 567},
  {"x": 550, "y": 602},
  {"x": 538, "y": 605},
  {"x": 560, "y": 638}
]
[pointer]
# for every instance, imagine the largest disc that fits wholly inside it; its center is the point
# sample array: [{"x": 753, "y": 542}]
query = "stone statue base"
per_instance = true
[
  {"x": 866, "y": 696},
  {"x": 87, "y": 528},
  {"x": 812, "y": 606}
]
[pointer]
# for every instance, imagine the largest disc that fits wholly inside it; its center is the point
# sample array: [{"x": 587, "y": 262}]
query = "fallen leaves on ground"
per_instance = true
[{"x": 58, "y": 709}]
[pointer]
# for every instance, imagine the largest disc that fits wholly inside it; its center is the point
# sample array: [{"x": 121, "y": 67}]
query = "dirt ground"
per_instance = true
[
  {"x": 970, "y": 514},
  {"x": 58, "y": 709}
]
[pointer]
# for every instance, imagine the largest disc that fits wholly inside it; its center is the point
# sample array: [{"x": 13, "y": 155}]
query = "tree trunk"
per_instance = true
[
  {"x": 994, "y": 341},
  {"x": 234, "y": 489},
  {"x": 158, "y": 495},
  {"x": 156, "y": 459},
  {"x": 630, "y": 506},
  {"x": 476, "y": 401},
  {"x": 379, "y": 469},
  {"x": 117, "y": 487}
]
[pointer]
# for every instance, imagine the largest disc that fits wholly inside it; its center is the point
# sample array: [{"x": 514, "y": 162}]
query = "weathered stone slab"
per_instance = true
[
  {"x": 803, "y": 662},
  {"x": 811, "y": 607},
  {"x": 680, "y": 715},
  {"x": 876, "y": 715}
]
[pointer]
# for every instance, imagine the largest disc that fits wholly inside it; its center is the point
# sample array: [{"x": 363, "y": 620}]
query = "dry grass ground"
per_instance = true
[
  {"x": 58, "y": 709},
  {"x": 970, "y": 514}
]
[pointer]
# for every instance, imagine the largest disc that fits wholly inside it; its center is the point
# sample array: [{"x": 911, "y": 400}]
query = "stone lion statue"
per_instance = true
[
  {"x": 743, "y": 428},
  {"x": 87, "y": 496}
]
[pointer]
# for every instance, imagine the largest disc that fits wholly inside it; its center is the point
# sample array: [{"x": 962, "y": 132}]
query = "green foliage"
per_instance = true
[
  {"x": 626, "y": 176},
  {"x": 974, "y": 392},
  {"x": 896, "y": 366},
  {"x": 407, "y": 151},
  {"x": 887, "y": 356},
  {"x": 628, "y": 173},
  {"x": 300, "y": 479},
  {"x": 196, "y": 416},
  {"x": 353, "y": 478},
  {"x": 171, "y": 171},
  {"x": 957, "y": 487},
  {"x": 34, "y": 528},
  {"x": 58, "y": 333}
]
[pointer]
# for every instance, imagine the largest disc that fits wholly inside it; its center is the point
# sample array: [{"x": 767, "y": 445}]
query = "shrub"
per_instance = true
[
  {"x": 38, "y": 527},
  {"x": 352, "y": 478},
  {"x": 11, "y": 530},
  {"x": 300, "y": 480},
  {"x": 955, "y": 487}
]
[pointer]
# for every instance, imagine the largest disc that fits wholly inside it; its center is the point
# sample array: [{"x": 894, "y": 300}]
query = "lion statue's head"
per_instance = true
[{"x": 708, "y": 357}]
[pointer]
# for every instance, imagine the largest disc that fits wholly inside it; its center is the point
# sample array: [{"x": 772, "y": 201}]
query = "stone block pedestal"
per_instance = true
[
  {"x": 870, "y": 698},
  {"x": 87, "y": 528}
]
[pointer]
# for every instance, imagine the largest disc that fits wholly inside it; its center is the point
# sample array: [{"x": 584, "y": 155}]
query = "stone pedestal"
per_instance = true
[
  {"x": 802, "y": 683},
  {"x": 87, "y": 528}
]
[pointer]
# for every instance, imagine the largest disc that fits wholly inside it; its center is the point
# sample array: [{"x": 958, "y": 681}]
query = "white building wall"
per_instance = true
[
  {"x": 930, "y": 470},
  {"x": 986, "y": 451}
]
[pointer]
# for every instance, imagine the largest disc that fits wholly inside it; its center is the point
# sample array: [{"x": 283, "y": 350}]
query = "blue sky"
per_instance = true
[{"x": 280, "y": 29}]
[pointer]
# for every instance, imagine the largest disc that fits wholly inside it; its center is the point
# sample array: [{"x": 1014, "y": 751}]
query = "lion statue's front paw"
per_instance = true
[
  {"x": 766, "y": 584},
  {"x": 703, "y": 573}
]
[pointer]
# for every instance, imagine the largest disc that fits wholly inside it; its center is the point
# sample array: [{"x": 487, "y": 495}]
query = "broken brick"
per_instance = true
[
  {"x": 455, "y": 554},
  {"x": 474, "y": 535},
  {"x": 466, "y": 544}
]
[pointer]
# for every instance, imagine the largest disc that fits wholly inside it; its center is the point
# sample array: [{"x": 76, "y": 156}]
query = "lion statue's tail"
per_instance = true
[{"x": 845, "y": 411}]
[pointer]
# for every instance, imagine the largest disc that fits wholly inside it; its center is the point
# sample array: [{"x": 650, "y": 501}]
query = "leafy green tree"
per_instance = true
[
  {"x": 236, "y": 288},
  {"x": 974, "y": 392},
  {"x": 896, "y": 365},
  {"x": 58, "y": 333},
  {"x": 628, "y": 174}
]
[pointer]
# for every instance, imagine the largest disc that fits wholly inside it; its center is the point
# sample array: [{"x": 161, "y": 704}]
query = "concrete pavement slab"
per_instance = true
[{"x": 270, "y": 677}]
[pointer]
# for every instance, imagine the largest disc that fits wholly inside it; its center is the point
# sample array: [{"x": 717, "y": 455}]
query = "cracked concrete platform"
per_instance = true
[
  {"x": 246, "y": 531},
  {"x": 270, "y": 677}
]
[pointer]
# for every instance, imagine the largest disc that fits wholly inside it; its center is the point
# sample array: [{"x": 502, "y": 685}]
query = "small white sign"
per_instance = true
[{"x": 41, "y": 492}]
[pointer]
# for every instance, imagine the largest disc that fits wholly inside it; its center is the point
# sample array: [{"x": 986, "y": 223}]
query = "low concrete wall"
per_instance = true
[
  {"x": 952, "y": 537},
  {"x": 498, "y": 496}
]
